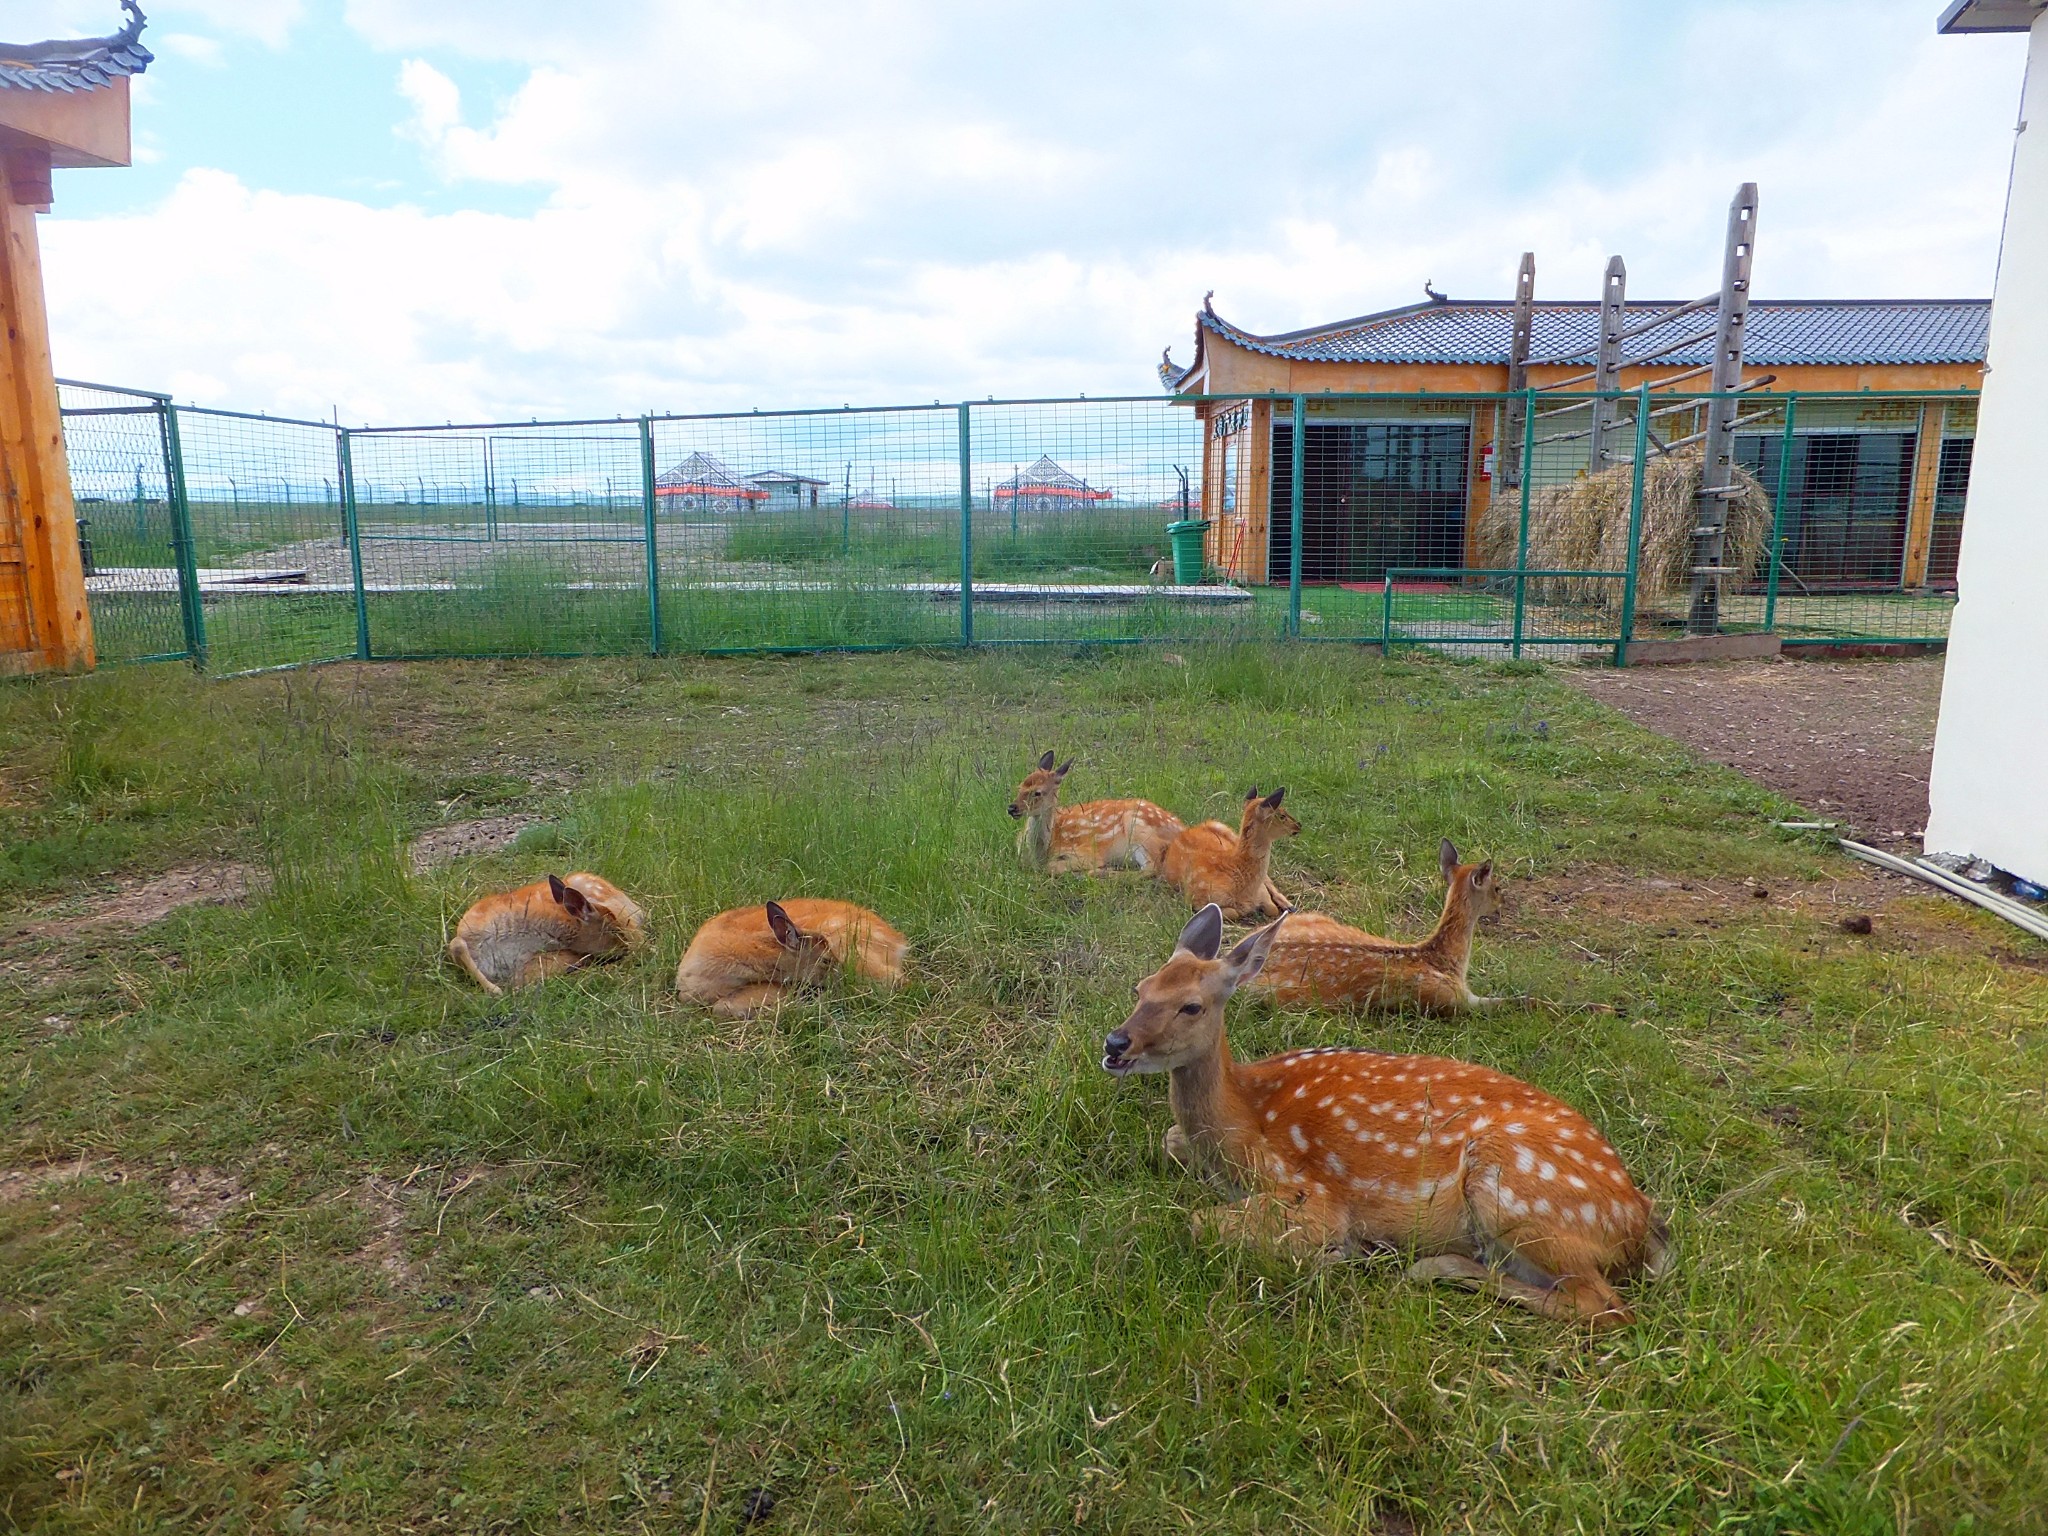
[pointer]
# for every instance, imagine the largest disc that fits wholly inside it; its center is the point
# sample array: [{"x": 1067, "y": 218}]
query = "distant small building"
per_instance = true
[
  {"x": 785, "y": 489},
  {"x": 868, "y": 501},
  {"x": 701, "y": 483},
  {"x": 1047, "y": 487}
]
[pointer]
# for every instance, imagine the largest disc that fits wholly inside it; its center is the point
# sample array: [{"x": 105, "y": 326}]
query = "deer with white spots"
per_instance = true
[
  {"x": 1321, "y": 962},
  {"x": 1098, "y": 835},
  {"x": 1489, "y": 1183},
  {"x": 1211, "y": 863}
]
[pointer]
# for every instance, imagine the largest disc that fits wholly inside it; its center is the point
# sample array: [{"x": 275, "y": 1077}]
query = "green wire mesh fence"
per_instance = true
[{"x": 1544, "y": 524}]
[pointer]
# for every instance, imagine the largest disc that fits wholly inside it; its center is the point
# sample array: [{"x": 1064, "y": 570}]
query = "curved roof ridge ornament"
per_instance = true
[{"x": 77, "y": 63}]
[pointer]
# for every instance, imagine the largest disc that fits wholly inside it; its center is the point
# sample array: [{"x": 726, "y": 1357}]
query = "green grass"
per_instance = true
[
  {"x": 585, "y": 1259},
  {"x": 1092, "y": 545}
]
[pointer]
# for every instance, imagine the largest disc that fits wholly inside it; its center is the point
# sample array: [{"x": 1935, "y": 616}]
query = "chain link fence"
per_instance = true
[{"x": 1528, "y": 524}]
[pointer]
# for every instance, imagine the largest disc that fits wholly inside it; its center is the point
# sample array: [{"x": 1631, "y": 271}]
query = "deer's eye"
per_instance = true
[{"x": 1190, "y": 1007}]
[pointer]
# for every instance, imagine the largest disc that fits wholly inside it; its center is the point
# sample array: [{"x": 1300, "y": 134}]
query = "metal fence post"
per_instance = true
[
  {"x": 1387, "y": 616},
  {"x": 1778, "y": 517},
  {"x": 966, "y": 529},
  {"x": 653, "y": 550},
  {"x": 1635, "y": 528},
  {"x": 352, "y": 522},
  {"x": 190, "y": 609},
  {"x": 1294, "y": 488},
  {"x": 1522, "y": 538}
]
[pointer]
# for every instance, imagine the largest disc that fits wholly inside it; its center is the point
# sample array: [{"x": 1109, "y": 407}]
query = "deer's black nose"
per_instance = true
[
  {"x": 1116, "y": 1045},
  {"x": 1013, "y": 809}
]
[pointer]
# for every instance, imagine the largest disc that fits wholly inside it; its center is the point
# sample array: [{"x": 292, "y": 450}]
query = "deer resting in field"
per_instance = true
[
  {"x": 515, "y": 938},
  {"x": 1097, "y": 835},
  {"x": 742, "y": 962},
  {"x": 1489, "y": 1183},
  {"x": 1211, "y": 863},
  {"x": 1319, "y": 961}
]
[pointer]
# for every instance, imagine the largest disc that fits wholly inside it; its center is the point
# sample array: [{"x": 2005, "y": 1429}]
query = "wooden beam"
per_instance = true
[
  {"x": 1920, "y": 510},
  {"x": 44, "y": 585},
  {"x": 1519, "y": 341},
  {"x": 1717, "y": 471},
  {"x": 1607, "y": 363}
]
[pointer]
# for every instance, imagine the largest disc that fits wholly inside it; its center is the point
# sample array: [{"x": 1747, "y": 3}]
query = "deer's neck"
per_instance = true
[
  {"x": 1450, "y": 946},
  {"x": 1213, "y": 1112},
  {"x": 1035, "y": 841}
]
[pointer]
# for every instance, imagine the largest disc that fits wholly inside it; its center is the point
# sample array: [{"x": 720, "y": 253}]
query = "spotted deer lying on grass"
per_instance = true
[
  {"x": 1211, "y": 863},
  {"x": 1491, "y": 1184},
  {"x": 1097, "y": 835},
  {"x": 742, "y": 962},
  {"x": 1319, "y": 961},
  {"x": 515, "y": 938}
]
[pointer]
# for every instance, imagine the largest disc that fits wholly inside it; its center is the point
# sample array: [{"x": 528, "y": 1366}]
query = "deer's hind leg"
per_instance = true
[
  {"x": 1577, "y": 1298},
  {"x": 549, "y": 962},
  {"x": 745, "y": 1002},
  {"x": 460, "y": 952}
]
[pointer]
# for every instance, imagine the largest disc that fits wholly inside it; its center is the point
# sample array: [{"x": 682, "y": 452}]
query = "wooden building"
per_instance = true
[
  {"x": 62, "y": 104},
  {"x": 1876, "y": 486}
]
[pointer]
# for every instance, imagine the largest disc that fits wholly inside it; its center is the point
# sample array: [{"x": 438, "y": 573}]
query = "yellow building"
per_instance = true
[{"x": 1875, "y": 487}]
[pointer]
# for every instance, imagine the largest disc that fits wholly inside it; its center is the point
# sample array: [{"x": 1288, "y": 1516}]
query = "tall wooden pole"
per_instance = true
[
  {"x": 1607, "y": 358},
  {"x": 1519, "y": 340},
  {"x": 43, "y": 618},
  {"x": 1717, "y": 472}
]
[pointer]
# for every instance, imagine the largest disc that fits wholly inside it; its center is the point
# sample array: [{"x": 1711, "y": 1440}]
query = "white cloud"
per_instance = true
[
  {"x": 773, "y": 203},
  {"x": 270, "y": 22},
  {"x": 204, "y": 51}
]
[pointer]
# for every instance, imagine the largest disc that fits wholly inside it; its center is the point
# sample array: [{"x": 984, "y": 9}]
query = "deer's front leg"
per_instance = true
[
  {"x": 1266, "y": 1221},
  {"x": 1178, "y": 1149}
]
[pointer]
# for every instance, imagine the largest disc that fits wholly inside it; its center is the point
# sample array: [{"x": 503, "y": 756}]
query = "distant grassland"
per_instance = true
[{"x": 299, "y": 1231}]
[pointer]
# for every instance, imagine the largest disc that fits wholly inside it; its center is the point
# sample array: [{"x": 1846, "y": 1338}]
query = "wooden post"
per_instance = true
[
  {"x": 1920, "y": 511},
  {"x": 1717, "y": 470},
  {"x": 43, "y": 617},
  {"x": 1519, "y": 339},
  {"x": 1607, "y": 360}
]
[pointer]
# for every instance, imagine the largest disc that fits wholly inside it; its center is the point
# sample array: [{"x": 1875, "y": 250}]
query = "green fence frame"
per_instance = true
[{"x": 517, "y": 528}]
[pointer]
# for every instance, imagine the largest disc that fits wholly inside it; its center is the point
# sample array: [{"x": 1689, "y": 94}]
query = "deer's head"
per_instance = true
[
  {"x": 1263, "y": 819},
  {"x": 1180, "y": 1006},
  {"x": 1473, "y": 884},
  {"x": 809, "y": 954},
  {"x": 1040, "y": 791},
  {"x": 606, "y": 918}
]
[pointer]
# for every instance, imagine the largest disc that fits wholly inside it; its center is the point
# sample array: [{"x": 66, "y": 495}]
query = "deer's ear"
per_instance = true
[
  {"x": 1203, "y": 935},
  {"x": 786, "y": 932},
  {"x": 573, "y": 901},
  {"x": 1446, "y": 857},
  {"x": 1045, "y": 762},
  {"x": 1248, "y": 957},
  {"x": 1483, "y": 874},
  {"x": 1252, "y": 793},
  {"x": 1061, "y": 771},
  {"x": 1273, "y": 800}
]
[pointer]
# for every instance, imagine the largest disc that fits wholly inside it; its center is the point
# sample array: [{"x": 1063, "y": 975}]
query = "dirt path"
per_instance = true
[{"x": 1851, "y": 741}]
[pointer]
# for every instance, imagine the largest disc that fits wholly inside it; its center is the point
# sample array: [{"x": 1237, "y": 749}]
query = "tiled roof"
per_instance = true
[
  {"x": 1048, "y": 478},
  {"x": 1781, "y": 332},
  {"x": 76, "y": 63}
]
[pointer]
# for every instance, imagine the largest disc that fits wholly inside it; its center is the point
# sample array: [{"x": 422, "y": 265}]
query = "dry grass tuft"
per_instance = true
[{"x": 1582, "y": 525}]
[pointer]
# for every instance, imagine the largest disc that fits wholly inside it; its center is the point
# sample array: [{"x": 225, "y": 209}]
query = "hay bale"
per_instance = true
[{"x": 1582, "y": 525}]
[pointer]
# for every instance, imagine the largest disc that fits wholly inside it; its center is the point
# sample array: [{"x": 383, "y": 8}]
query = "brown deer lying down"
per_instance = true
[
  {"x": 515, "y": 938},
  {"x": 1101, "y": 834},
  {"x": 1211, "y": 863},
  {"x": 1318, "y": 960},
  {"x": 747, "y": 960},
  {"x": 1488, "y": 1182}
]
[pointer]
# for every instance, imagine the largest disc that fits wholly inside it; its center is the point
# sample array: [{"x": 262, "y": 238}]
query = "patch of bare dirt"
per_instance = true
[
  {"x": 21, "y": 1183},
  {"x": 383, "y": 1203},
  {"x": 466, "y": 839},
  {"x": 199, "y": 1197},
  {"x": 138, "y": 903},
  {"x": 1851, "y": 741}
]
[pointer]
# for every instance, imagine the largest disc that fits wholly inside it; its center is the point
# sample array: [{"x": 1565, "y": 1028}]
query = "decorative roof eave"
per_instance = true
[{"x": 77, "y": 63}]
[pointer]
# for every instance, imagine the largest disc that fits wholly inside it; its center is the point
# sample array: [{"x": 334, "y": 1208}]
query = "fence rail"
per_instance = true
[{"x": 240, "y": 542}]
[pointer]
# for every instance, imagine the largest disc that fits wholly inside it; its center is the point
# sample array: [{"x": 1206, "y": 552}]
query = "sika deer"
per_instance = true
[
  {"x": 515, "y": 938},
  {"x": 1211, "y": 863},
  {"x": 1099, "y": 835},
  {"x": 1318, "y": 960},
  {"x": 747, "y": 960},
  {"x": 1490, "y": 1183}
]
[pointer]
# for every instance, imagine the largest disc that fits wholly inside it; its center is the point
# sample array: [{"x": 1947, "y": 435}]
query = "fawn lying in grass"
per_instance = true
[
  {"x": 1318, "y": 960},
  {"x": 1211, "y": 863},
  {"x": 744, "y": 961},
  {"x": 1101, "y": 834},
  {"x": 514, "y": 938},
  {"x": 1490, "y": 1183}
]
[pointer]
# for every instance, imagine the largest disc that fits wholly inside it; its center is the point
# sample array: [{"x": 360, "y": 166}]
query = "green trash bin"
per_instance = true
[{"x": 1187, "y": 550}]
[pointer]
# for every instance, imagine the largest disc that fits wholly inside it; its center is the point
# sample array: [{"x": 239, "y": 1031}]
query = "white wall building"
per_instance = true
[{"x": 1989, "y": 796}]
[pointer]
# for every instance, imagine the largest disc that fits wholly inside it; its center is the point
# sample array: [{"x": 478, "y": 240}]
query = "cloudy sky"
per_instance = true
[{"x": 416, "y": 210}]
